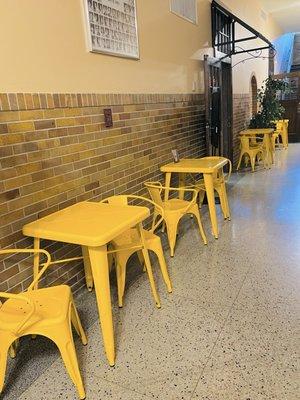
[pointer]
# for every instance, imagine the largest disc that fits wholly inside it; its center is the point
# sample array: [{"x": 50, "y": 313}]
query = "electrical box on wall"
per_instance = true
[{"x": 108, "y": 120}]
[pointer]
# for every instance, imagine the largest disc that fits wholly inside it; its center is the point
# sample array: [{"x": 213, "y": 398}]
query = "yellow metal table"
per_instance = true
[
  {"x": 92, "y": 225},
  {"x": 208, "y": 167},
  {"x": 267, "y": 140}
]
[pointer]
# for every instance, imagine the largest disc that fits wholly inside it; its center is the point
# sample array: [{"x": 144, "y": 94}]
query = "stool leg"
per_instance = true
[
  {"x": 201, "y": 197},
  {"x": 162, "y": 263},
  {"x": 155, "y": 215},
  {"x": 63, "y": 339},
  {"x": 13, "y": 349},
  {"x": 121, "y": 262},
  {"x": 141, "y": 259},
  {"x": 222, "y": 202},
  {"x": 87, "y": 269},
  {"x": 36, "y": 259},
  {"x": 223, "y": 186},
  {"x": 252, "y": 161},
  {"x": 172, "y": 233},
  {"x": 198, "y": 218},
  {"x": 77, "y": 324},
  {"x": 240, "y": 160},
  {"x": 5, "y": 343},
  {"x": 148, "y": 267}
]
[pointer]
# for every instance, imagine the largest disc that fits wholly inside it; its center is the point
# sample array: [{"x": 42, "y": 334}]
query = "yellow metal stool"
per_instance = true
[
  {"x": 282, "y": 129},
  {"x": 253, "y": 151},
  {"x": 174, "y": 210},
  {"x": 49, "y": 312},
  {"x": 129, "y": 242}
]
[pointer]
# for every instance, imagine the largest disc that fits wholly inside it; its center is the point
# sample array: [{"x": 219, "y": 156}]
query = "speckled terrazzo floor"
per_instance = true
[{"x": 229, "y": 331}]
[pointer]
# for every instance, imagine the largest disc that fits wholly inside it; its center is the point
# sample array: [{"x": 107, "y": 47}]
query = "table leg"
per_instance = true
[
  {"x": 210, "y": 194},
  {"x": 148, "y": 266},
  {"x": 36, "y": 259},
  {"x": 100, "y": 270},
  {"x": 87, "y": 268},
  {"x": 284, "y": 137},
  {"x": 271, "y": 149},
  {"x": 167, "y": 184},
  {"x": 268, "y": 155},
  {"x": 224, "y": 191},
  {"x": 182, "y": 177}
]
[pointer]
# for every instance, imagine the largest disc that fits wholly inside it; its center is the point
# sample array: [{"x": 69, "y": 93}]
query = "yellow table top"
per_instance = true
[
  {"x": 196, "y": 165},
  {"x": 257, "y": 131},
  {"x": 87, "y": 223}
]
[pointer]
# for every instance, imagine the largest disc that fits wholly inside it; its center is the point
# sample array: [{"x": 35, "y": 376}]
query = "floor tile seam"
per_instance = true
[
  {"x": 121, "y": 386},
  {"x": 193, "y": 298},
  {"x": 104, "y": 381},
  {"x": 220, "y": 332}
]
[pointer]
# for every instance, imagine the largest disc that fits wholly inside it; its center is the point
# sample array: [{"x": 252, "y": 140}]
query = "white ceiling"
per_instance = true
[{"x": 285, "y": 12}]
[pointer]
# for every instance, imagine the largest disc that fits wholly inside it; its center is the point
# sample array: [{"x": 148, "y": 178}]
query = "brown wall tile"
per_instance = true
[
  {"x": 13, "y": 102},
  {"x": 44, "y": 124},
  {"x": 20, "y": 127}
]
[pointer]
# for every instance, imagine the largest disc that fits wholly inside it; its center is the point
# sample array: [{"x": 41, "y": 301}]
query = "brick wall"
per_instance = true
[
  {"x": 55, "y": 151},
  {"x": 241, "y": 117}
]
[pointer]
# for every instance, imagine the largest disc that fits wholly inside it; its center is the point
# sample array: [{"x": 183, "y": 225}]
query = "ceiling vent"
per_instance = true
[{"x": 186, "y": 9}]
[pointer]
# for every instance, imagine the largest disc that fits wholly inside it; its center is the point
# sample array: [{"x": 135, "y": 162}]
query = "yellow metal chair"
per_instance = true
[
  {"x": 129, "y": 242},
  {"x": 174, "y": 210},
  {"x": 48, "y": 312},
  {"x": 282, "y": 129},
  {"x": 251, "y": 150},
  {"x": 275, "y": 140},
  {"x": 220, "y": 179},
  {"x": 286, "y": 132}
]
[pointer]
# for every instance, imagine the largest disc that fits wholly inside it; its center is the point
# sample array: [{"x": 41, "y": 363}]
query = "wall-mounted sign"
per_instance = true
[
  {"x": 186, "y": 9},
  {"x": 112, "y": 27}
]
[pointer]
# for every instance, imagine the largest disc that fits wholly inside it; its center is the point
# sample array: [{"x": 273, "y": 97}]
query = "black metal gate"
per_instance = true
[{"x": 218, "y": 94}]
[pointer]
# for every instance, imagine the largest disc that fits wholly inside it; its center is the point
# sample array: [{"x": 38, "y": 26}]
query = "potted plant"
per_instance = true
[{"x": 270, "y": 108}]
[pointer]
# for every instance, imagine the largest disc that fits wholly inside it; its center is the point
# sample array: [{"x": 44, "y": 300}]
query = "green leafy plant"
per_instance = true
[{"x": 270, "y": 108}]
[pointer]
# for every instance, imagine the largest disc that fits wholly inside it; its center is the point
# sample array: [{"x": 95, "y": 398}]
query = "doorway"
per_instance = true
[
  {"x": 218, "y": 99},
  {"x": 290, "y": 100}
]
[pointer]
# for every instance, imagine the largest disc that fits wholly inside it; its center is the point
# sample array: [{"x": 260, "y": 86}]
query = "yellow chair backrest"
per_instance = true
[
  {"x": 155, "y": 189},
  {"x": 279, "y": 125},
  {"x": 245, "y": 142},
  {"x": 220, "y": 172},
  {"x": 118, "y": 200},
  {"x": 23, "y": 296},
  {"x": 124, "y": 199}
]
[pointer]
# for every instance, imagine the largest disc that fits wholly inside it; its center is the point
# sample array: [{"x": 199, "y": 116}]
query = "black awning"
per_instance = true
[{"x": 224, "y": 32}]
